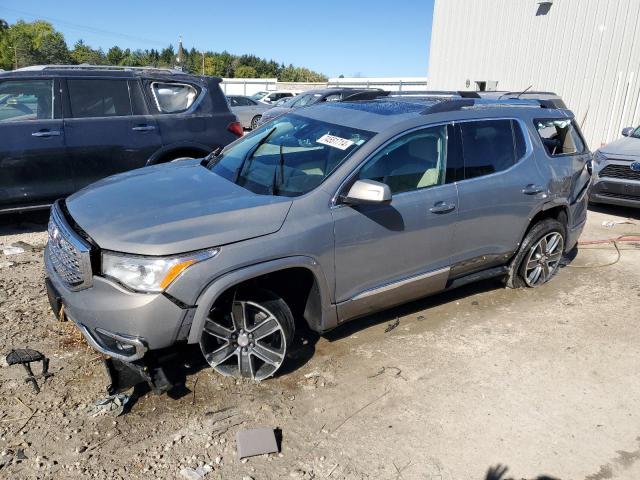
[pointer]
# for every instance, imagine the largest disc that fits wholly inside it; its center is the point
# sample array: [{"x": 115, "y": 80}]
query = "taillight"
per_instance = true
[{"x": 236, "y": 129}]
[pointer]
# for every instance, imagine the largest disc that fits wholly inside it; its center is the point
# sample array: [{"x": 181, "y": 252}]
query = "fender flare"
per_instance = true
[
  {"x": 329, "y": 317},
  {"x": 161, "y": 152},
  {"x": 546, "y": 206}
]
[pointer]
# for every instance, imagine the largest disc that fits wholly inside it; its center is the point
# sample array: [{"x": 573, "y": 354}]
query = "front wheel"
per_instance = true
[
  {"x": 539, "y": 256},
  {"x": 248, "y": 335},
  {"x": 254, "y": 121}
]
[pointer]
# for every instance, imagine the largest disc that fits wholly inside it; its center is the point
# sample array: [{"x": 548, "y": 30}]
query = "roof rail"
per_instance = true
[
  {"x": 369, "y": 95},
  {"x": 454, "y": 104},
  {"x": 86, "y": 66}
]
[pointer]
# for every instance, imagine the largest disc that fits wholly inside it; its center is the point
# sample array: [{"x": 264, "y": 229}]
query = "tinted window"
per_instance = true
[
  {"x": 417, "y": 160},
  {"x": 173, "y": 97},
  {"x": 560, "y": 137},
  {"x": 243, "y": 102},
  {"x": 26, "y": 100},
  {"x": 518, "y": 138},
  {"x": 233, "y": 101},
  {"x": 487, "y": 147},
  {"x": 99, "y": 98}
]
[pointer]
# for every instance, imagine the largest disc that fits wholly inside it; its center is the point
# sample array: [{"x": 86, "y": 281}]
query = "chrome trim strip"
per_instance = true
[
  {"x": 140, "y": 347},
  {"x": 399, "y": 283}
]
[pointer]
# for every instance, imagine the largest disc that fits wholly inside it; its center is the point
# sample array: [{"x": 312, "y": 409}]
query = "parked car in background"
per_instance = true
[
  {"x": 247, "y": 110},
  {"x": 616, "y": 171},
  {"x": 311, "y": 97},
  {"x": 64, "y": 127},
  {"x": 327, "y": 214},
  {"x": 272, "y": 97}
]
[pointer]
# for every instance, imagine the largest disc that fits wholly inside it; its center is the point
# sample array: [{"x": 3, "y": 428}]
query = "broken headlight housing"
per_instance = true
[{"x": 150, "y": 274}]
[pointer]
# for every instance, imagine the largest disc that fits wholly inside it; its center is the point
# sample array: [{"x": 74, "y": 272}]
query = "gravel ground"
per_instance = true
[{"x": 544, "y": 380}]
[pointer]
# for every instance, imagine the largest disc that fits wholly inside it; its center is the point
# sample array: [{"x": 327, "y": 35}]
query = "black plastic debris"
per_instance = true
[{"x": 25, "y": 357}]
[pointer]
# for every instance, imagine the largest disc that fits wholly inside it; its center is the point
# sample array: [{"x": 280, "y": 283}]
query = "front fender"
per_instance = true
[{"x": 213, "y": 291}]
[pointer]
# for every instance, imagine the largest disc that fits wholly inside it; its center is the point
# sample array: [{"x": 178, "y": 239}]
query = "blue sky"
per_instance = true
[{"x": 369, "y": 38}]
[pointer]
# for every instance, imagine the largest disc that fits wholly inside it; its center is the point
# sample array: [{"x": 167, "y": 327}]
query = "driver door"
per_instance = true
[{"x": 387, "y": 254}]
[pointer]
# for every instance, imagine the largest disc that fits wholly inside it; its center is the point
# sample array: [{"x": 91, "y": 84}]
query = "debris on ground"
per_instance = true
[
  {"x": 197, "y": 473},
  {"x": 256, "y": 441},
  {"x": 12, "y": 250},
  {"x": 112, "y": 405},
  {"x": 611, "y": 223},
  {"x": 25, "y": 357},
  {"x": 392, "y": 326},
  {"x": 6, "y": 264}
]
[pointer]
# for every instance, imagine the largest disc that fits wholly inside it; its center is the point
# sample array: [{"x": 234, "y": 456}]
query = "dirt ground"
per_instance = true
[{"x": 544, "y": 381}]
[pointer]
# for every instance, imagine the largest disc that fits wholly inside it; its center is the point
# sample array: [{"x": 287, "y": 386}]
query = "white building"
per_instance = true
[{"x": 587, "y": 51}]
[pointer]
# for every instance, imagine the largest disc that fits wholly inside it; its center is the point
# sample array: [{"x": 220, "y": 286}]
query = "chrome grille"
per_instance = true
[
  {"x": 67, "y": 253},
  {"x": 620, "y": 171}
]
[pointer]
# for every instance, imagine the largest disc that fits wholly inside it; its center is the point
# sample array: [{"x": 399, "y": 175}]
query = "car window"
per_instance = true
[
  {"x": 98, "y": 98},
  {"x": 334, "y": 97},
  {"x": 487, "y": 146},
  {"x": 288, "y": 156},
  {"x": 560, "y": 137},
  {"x": 636, "y": 133},
  {"x": 258, "y": 95},
  {"x": 233, "y": 101},
  {"x": 173, "y": 97},
  {"x": 244, "y": 102},
  {"x": 417, "y": 160},
  {"x": 26, "y": 100}
]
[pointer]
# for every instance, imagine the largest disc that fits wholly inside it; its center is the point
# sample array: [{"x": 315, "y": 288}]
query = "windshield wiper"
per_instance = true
[
  {"x": 274, "y": 185},
  {"x": 208, "y": 160},
  {"x": 252, "y": 152}
]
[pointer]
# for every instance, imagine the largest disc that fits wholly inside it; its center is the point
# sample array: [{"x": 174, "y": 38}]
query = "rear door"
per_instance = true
[
  {"x": 500, "y": 189},
  {"x": 34, "y": 168},
  {"x": 108, "y": 129}
]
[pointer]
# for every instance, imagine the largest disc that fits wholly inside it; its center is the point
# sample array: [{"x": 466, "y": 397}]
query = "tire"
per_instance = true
[
  {"x": 539, "y": 256},
  {"x": 248, "y": 334},
  {"x": 254, "y": 121}
]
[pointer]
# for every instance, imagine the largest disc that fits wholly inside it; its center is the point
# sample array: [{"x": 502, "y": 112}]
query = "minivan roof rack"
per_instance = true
[
  {"x": 367, "y": 95},
  {"x": 86, "y": 66}
]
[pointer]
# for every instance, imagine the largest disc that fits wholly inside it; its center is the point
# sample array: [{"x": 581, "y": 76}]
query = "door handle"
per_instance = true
[
  {"x": 46, "y": 133},
  {"x": 143, "y": 128},
  {"x": 532, "y": 189},
  {"x": 442, "y": 207}
]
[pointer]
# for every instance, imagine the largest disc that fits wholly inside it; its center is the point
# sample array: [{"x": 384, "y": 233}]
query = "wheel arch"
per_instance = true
[
  {"x": 177, "y": 150},
  {"x": 287, "y": 277},
  {"x": 557, "y": 211}
]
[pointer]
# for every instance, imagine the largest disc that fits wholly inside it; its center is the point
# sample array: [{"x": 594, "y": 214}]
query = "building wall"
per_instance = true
[{"x": 587, "y": 51}]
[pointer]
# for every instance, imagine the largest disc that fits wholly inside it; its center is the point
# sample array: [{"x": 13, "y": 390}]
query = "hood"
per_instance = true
[
  {"x": 275, "y": 112},
  {"x": 625, "y": 147},
  {"x": 173, "y": 208}
]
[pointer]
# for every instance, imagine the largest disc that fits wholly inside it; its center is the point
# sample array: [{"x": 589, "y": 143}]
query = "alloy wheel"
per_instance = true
[
  {"x": 254, "y": 122},
  {"x": 543, "y": 259},
  {"x": 246, "y": 340}
]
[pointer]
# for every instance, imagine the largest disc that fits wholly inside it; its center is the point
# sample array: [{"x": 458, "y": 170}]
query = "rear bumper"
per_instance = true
[{"x": 116, "y": 322}]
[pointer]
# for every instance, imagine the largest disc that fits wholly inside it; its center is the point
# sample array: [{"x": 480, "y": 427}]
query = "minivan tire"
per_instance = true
[
  {"x": 254, "y": 346},
  {"x": 254, "y": 121},
  {"x": 532, "y": 267}
]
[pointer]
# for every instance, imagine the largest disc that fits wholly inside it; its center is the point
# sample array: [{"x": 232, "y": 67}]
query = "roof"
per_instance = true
[{"x": 86, "y": 70}]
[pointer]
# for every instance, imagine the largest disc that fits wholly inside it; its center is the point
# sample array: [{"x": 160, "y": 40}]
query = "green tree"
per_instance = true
[
  {"x": 82, "y": 53},
  {"x": 27, "y": 44},
  {"x": 245, "y": 71},
  {"x": 115, "y": 55}
]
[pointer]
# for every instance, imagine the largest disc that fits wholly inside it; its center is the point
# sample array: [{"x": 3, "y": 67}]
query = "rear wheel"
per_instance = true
[
  {"x": 248, "y": 335},
  {"x": 254, "y": 121},
  {"x": 539, "y": 256}
]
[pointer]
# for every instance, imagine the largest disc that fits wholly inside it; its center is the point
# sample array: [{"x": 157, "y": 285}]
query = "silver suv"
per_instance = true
[{"x": 318, "y": 217}]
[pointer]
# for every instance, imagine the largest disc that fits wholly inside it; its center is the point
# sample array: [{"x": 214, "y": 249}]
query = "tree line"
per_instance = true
[{"x": 37, "y": 43}]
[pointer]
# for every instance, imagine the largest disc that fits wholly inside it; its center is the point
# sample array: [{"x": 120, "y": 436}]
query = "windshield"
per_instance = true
[
  {"x": 289, "y": 156},
  {"x": 258, "y": 95}
]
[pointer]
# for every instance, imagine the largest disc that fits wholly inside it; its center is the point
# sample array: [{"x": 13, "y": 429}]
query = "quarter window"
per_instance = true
[
  {"x": 560, "y": 137},
  {"x": 22, "y": 100},
  {"x": 99, "y": 98},
  {"x": 488, "y": 147},
  {"x": 417, "y": 160},
  {"x": 173, "y": 97}
]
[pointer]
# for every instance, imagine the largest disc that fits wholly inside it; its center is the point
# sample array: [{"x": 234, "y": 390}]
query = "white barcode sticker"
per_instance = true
[{"x": 336, "y": 142}]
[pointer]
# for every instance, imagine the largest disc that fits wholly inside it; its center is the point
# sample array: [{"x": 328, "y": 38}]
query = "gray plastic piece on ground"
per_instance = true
[{"x": 256, "y": 441}]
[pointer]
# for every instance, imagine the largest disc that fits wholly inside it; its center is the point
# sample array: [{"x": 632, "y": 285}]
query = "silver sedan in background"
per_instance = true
[{"x": 247, "y": 110}]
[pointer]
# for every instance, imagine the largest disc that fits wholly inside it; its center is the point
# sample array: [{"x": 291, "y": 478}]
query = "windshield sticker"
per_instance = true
[{"x": 335, "y": 142}]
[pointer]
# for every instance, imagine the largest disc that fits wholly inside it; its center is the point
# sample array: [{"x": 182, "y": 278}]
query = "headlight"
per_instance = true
[
  {"x": 150, "y": 274},
  {"x": 598, "y": 158}
]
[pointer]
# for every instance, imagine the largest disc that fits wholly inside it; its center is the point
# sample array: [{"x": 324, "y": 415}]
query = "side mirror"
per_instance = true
[
  {"x": 367, "y": 192},
  {"x": 266, "y": 99},
  {"x": 626, "y": 132}
]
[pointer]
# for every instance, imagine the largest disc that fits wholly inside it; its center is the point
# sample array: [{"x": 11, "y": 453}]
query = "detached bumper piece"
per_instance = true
[{"x": 25, "y": 357}]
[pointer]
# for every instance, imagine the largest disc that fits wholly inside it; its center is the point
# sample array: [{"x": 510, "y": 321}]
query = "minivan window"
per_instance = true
[
  {"x": 173, "y": 97},
  {"x": 289, "y": 156},
  {"x": 98, "y": 98},
  {"x": 488, "y": 147},
  {"x": 417, "y": 160},
  {"x": 560, "y": 137},
  {"x": 22, "y": 100}
]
